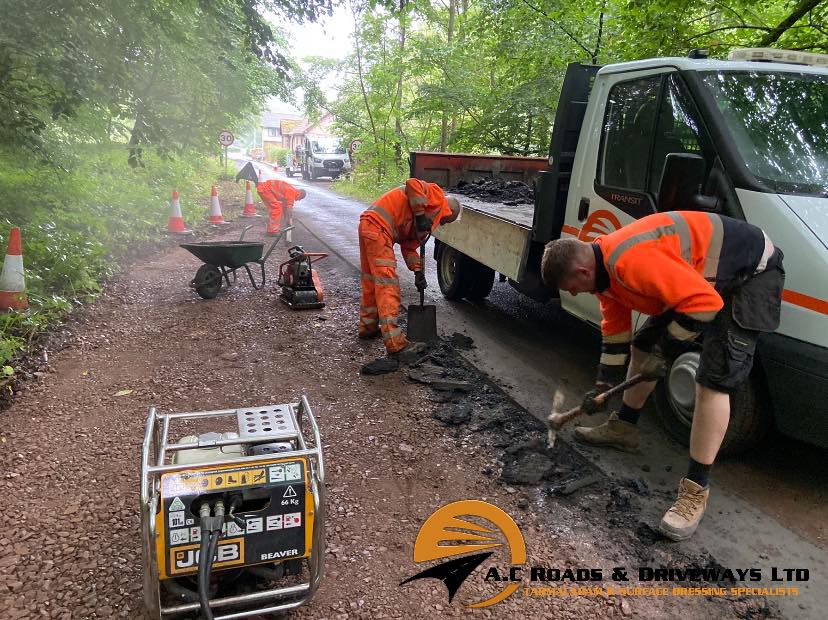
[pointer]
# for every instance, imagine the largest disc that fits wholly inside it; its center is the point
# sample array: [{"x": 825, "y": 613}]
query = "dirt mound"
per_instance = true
[{"x": 496, "y": 190}]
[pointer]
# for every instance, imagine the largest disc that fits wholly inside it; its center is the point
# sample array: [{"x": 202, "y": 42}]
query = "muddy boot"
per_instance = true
[
  {"x": 411, "y": 353},
  {"x": 684, "y": 516},
  {"x": 613, "y": 433},
  {"x": 380, "y": 366},
  {"x": 369, "y": 335}
]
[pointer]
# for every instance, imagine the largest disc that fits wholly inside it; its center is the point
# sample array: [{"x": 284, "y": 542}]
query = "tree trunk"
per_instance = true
[
  {"x": 398, "y": 120},
  {"x": 365, "y": 93},
  {"x": 802, "y": 7},
  {"x": 136, "y": 138},
  {"x": 449, "y": 37}
]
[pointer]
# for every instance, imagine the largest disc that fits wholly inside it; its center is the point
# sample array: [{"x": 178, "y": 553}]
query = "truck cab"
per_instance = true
[
  {"x": 744, "y": 137},
  {"x": 324, "y": 157}
]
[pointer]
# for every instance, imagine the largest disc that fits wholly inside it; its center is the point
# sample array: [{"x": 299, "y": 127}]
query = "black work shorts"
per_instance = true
[{"x": 729, "y": 342}]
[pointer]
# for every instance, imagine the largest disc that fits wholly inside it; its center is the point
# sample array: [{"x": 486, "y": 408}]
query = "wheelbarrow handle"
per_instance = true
[
  {"x": 275, "y": 241},
  {"x": 246, "y": 228}
]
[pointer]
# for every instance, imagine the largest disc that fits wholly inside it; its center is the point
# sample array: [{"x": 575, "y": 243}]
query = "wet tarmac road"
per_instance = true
[{"x": 768, "y": 509}]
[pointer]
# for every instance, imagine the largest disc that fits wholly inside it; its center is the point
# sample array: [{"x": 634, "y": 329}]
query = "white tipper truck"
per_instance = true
[{"x": 746, "y": 137}]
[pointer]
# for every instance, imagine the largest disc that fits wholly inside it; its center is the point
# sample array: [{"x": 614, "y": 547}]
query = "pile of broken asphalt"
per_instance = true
[{"x": 496, "y": 190}]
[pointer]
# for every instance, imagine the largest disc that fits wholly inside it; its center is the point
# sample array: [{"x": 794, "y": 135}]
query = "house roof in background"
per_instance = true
[
  {"x": 320, "y": 128},
  {"x": 274, "y": 119}
]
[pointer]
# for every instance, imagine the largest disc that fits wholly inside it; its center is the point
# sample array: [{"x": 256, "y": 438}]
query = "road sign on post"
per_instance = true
[
  {"x": 355, "y": 144},
  {"x": 226, "y": 138}
]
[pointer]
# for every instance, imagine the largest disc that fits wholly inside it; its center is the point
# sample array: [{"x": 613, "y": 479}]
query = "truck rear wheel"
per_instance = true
[
  {"x": 461, "y": 276},
  {"x": 482, "y": 281},
  {"x": 750, "y": 413}
]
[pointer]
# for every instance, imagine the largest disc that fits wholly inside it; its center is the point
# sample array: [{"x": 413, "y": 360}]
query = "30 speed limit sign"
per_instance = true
[
  {"x": 355, "y": 144},
  {"x": 226, "y": 138}
]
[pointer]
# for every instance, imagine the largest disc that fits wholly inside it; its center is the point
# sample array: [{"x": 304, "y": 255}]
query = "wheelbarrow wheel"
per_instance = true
[{"x": 208, "y": 279}]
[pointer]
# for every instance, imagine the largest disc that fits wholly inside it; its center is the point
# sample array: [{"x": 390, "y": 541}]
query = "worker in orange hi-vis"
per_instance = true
[
  {"x": 710, "y": 285},
  {"x": 405, "y": 215},
  {"x": 277, "y": 195}
]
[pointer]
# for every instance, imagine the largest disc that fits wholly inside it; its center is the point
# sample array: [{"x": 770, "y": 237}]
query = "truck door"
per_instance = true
[{"x": 642, "y": 119}]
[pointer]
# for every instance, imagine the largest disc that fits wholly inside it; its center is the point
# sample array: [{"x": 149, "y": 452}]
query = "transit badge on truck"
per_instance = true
[{"x": 278, "y": 528}]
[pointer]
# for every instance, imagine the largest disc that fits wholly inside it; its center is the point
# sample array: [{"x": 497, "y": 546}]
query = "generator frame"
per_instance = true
[{"x": 155, "y": 450}]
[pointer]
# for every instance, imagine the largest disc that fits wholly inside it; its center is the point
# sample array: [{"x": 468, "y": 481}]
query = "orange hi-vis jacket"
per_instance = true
[
  {"x": 675, "y": 262},
  {"x": 395, "y": 211},
  {"x": 277, "y": 191}
]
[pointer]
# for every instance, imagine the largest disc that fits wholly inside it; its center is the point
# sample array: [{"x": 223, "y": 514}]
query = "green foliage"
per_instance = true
[
  {"x": 484, "y": 75},
  {"x": 167, "y": 75},
  {"x": 277, "y": 153},
  {"x": 364, "y": 187},
  {"x": 89, "y": 86},
  {"x": 75, "y": 224}
]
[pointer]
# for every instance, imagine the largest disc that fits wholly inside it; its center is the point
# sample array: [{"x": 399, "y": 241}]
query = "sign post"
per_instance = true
[
  {"x": 226, "y": 138},
  {"x": 353, "y": 148}
]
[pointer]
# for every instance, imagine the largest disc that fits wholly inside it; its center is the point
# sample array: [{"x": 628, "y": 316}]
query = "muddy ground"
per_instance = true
[{"x": 397, "y": 447}]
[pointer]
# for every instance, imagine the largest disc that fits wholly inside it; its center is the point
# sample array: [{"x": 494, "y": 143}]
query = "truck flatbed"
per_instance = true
[{"x": 522, "y": 214}]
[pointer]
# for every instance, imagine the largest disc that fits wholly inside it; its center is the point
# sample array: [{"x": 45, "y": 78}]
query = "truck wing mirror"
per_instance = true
[{"x": 681, "y": 182}]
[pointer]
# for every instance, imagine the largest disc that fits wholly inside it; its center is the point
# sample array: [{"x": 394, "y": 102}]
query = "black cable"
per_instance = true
[{"x": 204, "y": 556}]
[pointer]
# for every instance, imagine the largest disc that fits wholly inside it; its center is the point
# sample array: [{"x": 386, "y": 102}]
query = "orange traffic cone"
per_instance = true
[
  {"x": 176, "y": 224},
  {"x": 216, "y": 217},
  {"x": 249, "y": 205},
  {"x": 12, "y": 283}
]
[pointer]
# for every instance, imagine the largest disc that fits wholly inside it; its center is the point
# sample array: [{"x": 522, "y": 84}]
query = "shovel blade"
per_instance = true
[{"x": 422, "y": 323}]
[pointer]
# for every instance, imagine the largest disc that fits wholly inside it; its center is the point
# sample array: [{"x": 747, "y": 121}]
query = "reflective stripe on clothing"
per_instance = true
[
  {"x": 385, "y": 215},
  {"x": 618, "y": 338},
  {"x": 766, "y": 254},
  {"x": 714, "y": 250},
  {"x": 647, "y": 235},
  {"x": 391, "y": 334},
  {"x": 613, "y": 359},
  {"x": 380, "y": 301},
  {"x": 683, "y": 231},
  {"x": 680, "y": 333}
]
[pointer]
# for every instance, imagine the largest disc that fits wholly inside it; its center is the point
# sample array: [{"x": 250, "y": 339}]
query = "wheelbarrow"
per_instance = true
[{"x": 221, "y": 260}]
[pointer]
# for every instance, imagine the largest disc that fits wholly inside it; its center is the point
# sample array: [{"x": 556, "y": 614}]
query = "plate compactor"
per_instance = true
[
  {"x": 232, "y": 521},
  {"x": 301, "y": 286}
]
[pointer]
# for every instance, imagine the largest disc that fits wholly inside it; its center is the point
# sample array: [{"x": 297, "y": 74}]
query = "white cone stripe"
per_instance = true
[
  {"x": 12, "y": 277},
  {"x": 215, "y": 207},
  {"x": 175, "y": 210}
]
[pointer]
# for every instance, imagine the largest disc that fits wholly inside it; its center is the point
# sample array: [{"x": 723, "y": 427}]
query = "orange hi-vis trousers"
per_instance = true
[
  {"x": 274, "y": 220},
  {"x": 380, "y": 305}
]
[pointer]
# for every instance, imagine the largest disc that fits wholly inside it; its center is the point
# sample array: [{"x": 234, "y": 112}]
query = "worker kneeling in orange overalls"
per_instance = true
[
  {"x": 277, "y": 195},
  {"x": 405, "y": 215}
]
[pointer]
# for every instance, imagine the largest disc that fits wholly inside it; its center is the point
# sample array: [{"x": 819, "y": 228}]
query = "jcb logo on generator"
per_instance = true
[{"x": 185, "y": 559}]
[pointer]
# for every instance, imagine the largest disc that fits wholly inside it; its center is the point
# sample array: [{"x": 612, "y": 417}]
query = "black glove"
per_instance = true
[
  {"x": 422, "y": 223},
  {"x": 589, "y": 406},
  {"x": 655, "y": 364},
  {"x": 670, "y": 348},
  {"x": 420, "y": 280}
]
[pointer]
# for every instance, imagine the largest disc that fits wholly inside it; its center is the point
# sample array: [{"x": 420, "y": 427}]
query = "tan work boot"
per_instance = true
[
  {"x": 684, "y": 516},
  {"x": 613, "y": 433}
]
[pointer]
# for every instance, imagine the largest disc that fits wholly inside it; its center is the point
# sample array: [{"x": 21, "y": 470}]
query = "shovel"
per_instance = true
[{"x": 422, "y": 320}]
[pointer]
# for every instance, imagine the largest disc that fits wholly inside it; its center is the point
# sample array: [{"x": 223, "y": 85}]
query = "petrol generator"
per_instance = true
[{"x": 232, "y": 511}]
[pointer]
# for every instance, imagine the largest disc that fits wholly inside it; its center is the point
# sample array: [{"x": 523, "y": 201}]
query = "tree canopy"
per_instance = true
[
  {"x": 164, "y": 74},
  {"x": 485, "y": 75}
]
